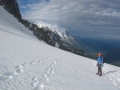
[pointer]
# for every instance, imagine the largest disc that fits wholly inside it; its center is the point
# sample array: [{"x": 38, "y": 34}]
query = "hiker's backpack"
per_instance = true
[{"x": 104, "y": 59}]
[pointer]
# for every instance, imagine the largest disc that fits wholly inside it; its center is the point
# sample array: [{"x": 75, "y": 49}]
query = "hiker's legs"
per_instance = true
[{"x": 99, "y": 70}]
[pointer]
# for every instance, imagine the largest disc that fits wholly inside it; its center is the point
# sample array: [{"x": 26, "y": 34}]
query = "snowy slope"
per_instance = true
[
  {"x": 8, "y": 20},
  {"x": 29, "y": 64}
]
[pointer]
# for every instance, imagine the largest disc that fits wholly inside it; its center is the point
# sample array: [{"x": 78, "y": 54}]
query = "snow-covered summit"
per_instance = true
[
  {"x": 54, "y": 28},
  {"x": 29, "y": 64}
]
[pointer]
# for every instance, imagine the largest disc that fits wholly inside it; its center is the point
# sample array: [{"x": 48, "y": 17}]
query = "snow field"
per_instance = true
[
  {"x": 29, "y": 64},
  {"x": 17, "y": 60}
]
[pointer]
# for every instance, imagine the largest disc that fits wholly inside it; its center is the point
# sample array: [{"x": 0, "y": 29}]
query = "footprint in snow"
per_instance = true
[
  {"x": 114, "y": 83},
  {"x": 4, "y": 77},
  {"x": 39, "y": 61},
  {"x": 35, "y": 83},
  {"x": 19, "y": 70},
  {"x": 39, "y": 87},
  {"x": 8, "y": 75},
  {"x": 11, "y": 73},
  {"x": 115, "y": 78},
  {"x": 25, "y": 64},
  {"x": 19, "y": 66},
  {"x": 33, "y": 62}
]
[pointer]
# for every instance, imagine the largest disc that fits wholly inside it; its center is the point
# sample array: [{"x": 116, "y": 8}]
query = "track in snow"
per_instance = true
[
  {"x": 111, "y": 74},
  {"x": 20, "y": 69},
  {"x": 37, "y": 83},
  {"x": 40, "y": 83}
]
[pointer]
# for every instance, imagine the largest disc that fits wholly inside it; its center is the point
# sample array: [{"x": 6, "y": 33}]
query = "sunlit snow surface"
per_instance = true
[{"x": 29, "y": 64}]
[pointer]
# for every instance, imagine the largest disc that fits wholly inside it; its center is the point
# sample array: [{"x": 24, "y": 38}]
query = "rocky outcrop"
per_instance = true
[
  {"x": 12, "y": 7},
  {"x": 51, "y": 37}
]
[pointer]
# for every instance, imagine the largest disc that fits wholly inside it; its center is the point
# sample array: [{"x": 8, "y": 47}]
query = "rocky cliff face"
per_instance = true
[
  {"x": 12, "y": 7},
  {"x": 52, "y": 38}
]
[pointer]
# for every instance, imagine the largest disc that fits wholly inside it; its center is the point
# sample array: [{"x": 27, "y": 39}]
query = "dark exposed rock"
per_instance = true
[
  {"x": 12, "y": 7},
  {"x": 51, "y": 37}
]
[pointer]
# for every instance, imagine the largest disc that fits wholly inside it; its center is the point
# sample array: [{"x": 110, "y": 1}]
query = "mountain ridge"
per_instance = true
[{"x": 63, "y": 40}]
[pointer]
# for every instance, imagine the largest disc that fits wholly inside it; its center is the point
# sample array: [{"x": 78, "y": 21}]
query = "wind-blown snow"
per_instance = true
[
  {"x": 55, "y": 28},
  {"x": 29, "y": 64}
]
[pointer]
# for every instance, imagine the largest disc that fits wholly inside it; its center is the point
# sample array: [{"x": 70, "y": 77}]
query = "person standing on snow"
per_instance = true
[{"x": 99, "y": 64}]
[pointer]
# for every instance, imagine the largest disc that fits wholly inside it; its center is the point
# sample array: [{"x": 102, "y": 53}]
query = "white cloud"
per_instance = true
[
  {"x": 23, "y": 7},
  {"x": 77, "y": 15}
]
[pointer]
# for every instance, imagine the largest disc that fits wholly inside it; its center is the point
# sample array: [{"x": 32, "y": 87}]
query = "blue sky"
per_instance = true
[{"x": 84, "y": 18}]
